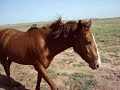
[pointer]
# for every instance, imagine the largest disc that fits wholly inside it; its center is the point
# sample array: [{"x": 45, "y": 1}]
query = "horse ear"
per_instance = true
[
  {"x": 79, "y": 24},
  {"x": 84, "y": 25},
  {"x": 59, "y": 20},
  {"x": 89, "y": 23}
]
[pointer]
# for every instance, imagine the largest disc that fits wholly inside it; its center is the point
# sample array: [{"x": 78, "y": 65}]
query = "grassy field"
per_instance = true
[{"x": 68, "y": 70}]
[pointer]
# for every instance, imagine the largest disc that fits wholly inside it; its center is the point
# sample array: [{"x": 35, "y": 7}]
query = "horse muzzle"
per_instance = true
[{"x": 94, "y": 66}]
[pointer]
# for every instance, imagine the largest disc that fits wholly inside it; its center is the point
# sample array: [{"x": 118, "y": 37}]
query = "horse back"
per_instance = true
[{"x": 22, "y": 47}]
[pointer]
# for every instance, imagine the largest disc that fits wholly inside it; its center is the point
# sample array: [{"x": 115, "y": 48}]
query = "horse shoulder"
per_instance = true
[{"x": 40, "y": 49}]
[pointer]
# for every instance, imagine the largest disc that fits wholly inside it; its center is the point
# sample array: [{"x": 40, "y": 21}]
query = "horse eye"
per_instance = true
[
  {"x": 89, "y": 42},
  {"x": 84, "y": 25},
  {"x": 75, "y": 36}
]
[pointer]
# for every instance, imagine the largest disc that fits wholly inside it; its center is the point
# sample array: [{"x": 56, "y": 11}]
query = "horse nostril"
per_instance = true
[{"x": 97, "y": 66}]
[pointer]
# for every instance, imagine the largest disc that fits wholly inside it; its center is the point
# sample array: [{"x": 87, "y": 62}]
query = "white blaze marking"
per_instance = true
[
  {"x": 99, "y": 61},
  {"x": 7, "y": 58}
]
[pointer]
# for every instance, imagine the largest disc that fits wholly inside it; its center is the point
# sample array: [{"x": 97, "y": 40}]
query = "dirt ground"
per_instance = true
[{"x": 24, "y": 77}]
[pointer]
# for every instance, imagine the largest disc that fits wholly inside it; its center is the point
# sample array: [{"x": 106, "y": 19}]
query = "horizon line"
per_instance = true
[{"x": 61, "y": 18}]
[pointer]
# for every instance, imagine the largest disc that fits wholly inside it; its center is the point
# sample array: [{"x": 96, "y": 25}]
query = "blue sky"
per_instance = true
[{"x": 23, "y": 11}]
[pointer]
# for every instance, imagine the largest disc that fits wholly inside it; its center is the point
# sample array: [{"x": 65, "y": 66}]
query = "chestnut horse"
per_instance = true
[{"x": 38, "y": 46}]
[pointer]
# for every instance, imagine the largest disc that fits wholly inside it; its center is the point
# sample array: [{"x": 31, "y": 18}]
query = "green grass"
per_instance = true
[
  {"x": 106, "y": 26},
  {"x": 67, "y": 59},
  {"x": 79, "y": 64},
  {"x": 107, "y": 35},
  {"x": 52, "y": 74},
  {"x": 44, "y": 88},
  {"x": 64, "y": 74},
  {"x": 82, "y": 80},
  {"x": 104, "y": 60},
  {"x": 113, "y": 49}
]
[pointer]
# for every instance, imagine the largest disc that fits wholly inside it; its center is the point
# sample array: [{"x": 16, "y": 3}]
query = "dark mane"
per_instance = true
[
  {"x": 69, "y": 26},
  {"x": 32, "y": 28},
  {"x": 58, "y": 28},
  {"x": 62, "y": 29}
]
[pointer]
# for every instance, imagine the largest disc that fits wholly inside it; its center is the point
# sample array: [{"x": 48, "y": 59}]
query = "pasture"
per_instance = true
[{"x": 68, "y": 70}]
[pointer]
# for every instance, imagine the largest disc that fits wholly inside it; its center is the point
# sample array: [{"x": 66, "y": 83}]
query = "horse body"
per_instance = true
[
  {"x": 26, "y": 47},
  {"x": 38, "y": 46}
]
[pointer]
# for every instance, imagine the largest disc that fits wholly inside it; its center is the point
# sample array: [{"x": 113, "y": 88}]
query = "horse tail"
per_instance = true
[
  {"x": 1, "y": 46},
  {"x": 0, "y": 39}
]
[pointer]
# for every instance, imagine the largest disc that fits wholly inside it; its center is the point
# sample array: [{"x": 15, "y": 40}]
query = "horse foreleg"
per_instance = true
[
  {"x": 38, "y": 80},
  {"x": 42, "y": 73}
]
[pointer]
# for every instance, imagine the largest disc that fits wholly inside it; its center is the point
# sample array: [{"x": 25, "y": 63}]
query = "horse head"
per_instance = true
[
  {"x": 79, "y": 36},
  {"x": 83, "y": 42}
]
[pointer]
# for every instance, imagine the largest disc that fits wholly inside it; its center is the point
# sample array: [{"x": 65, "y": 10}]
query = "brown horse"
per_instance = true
[{"x": 38, "y": 46}]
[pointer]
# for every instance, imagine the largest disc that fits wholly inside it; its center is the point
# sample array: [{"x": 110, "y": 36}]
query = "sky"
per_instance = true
[{"x": 24, "y": 11}]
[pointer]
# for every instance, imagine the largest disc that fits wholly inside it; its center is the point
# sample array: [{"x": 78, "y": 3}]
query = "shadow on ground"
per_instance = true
[{"x": 4, "y": 84}]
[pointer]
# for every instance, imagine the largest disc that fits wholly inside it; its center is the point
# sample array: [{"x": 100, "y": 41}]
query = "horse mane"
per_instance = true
[
  {"x": 58, "y": 28},
  {"x": 69, "y": 26},
  {"x": 32, "y": 28}
]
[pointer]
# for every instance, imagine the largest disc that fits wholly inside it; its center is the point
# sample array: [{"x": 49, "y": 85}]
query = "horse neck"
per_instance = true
[{"x": 57, "y": 45}]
